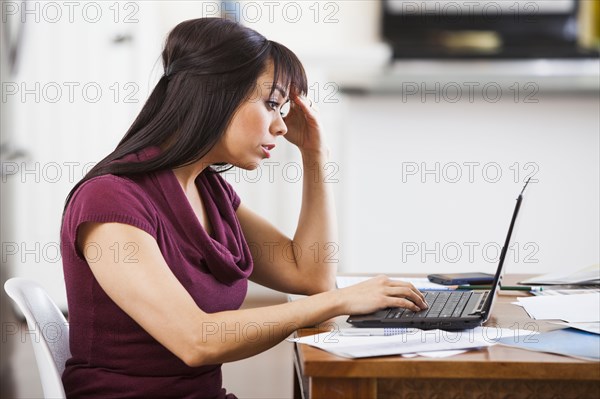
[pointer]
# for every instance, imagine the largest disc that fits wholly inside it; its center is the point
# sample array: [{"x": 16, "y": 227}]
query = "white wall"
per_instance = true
[{"x": 397, "y": 217}]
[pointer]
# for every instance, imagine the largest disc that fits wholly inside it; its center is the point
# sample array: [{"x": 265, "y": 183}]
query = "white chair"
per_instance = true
[{"x": 49, "y": 332}]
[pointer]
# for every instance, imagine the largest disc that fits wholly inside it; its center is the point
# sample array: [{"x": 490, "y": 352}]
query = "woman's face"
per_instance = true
[{"x": 253, "y": 130}]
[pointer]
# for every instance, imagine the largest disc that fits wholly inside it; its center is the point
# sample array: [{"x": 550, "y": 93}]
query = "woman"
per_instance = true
[{"x": 156, "y": 244}]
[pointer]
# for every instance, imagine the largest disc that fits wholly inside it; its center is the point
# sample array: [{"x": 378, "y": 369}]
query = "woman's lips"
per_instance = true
[{"x": 267, "y": 148}]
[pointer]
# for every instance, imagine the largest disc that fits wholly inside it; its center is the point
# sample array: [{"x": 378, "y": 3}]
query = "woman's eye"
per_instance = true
[{"x": 285, "y": 109}]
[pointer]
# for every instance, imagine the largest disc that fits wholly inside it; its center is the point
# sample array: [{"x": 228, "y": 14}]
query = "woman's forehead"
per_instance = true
[
  {"x": 267, "y": 81},
  {"x": 268, "y": 87}
]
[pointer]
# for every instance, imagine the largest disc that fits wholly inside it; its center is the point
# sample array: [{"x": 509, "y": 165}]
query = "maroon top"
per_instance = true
[{"x": 112, "y": 356}]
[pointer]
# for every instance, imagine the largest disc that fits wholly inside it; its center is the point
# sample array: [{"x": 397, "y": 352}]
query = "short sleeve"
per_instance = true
[{"x": 109, "y": 199}]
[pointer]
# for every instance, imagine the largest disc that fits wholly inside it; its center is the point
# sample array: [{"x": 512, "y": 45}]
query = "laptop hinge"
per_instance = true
[{"x": 478, "y": 309}]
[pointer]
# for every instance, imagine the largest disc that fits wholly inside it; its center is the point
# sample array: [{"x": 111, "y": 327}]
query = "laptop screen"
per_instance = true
[{"x": 499, "y": 272}]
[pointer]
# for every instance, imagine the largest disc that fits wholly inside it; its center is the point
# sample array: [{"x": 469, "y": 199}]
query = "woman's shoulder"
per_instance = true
[
  {"x": 110, "y": 198},
  {"x": 107, "y": 186},
  {"x": 112, "y": 193},
  {"x": 107, "y": 180}
]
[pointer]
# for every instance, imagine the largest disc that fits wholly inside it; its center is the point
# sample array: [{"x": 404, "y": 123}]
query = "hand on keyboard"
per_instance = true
[{"x": 379, "y": 293}]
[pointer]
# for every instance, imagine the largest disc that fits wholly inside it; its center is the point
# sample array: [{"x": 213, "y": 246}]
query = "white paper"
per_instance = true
[
  {"x": 589, "y": 275},
  {"x": 419, "y": 282},
  {"x": 434, "y": 354},
  {"x": 571, "y": 308},
  {"x": 593, "y": 327},
  {"x": 441, "y": 354},
  {"x": 418, "y": 341},
  {"x": 568, "y": 291},
  {"x": 409, "y": 355}
]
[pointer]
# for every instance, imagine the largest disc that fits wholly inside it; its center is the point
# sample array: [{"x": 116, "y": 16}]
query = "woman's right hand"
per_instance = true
[{"x": 378, "y": 293}]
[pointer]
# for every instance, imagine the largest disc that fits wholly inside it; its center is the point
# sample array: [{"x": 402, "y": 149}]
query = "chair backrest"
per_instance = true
[{"x": 49, "y": 331}]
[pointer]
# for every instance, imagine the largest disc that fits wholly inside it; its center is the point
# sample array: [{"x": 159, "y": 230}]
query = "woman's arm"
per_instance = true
[
  {"x": 308, "y": 263},
  {"x": 145, "y": 288},
  {"x": 316, "y": 235}
]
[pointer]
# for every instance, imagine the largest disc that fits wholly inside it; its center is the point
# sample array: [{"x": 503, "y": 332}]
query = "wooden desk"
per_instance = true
[{"x": 493, "y": 372}]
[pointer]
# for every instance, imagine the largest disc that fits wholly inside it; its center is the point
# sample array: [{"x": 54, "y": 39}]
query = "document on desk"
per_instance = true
[
  {"x": 568, "y": 342},
  {"x": 414, "y": 341},
  {"x": 584, "y": 289},
  {"x": 587, "y": 275},
  {"x": 592, "y": 327},
  {"x": 571, "y": 308}
]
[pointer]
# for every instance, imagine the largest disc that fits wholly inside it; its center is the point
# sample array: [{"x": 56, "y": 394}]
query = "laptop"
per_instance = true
[{"x": 448, "y": 309}]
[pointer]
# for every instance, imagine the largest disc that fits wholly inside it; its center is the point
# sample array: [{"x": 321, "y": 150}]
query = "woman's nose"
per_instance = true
[{"x": 279, "y": 127}]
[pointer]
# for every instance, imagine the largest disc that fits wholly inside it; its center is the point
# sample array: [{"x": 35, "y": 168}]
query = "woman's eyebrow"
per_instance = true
[{"x": 280, "y": 90}]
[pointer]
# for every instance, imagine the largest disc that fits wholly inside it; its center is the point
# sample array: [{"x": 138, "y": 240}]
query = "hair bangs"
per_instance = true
[{"x": 288, "y": 70}]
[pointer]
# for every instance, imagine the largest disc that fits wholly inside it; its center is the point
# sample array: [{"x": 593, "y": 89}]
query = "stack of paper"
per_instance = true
[
  {"x": 588, "y": 275},
  {"x": 568, "y": 341},
  {"x": 415, "y": 341},
  {"x": 589, "y": 326},
  {"x": 571, "y": 308},
  {"x": 583, "y": 289}
]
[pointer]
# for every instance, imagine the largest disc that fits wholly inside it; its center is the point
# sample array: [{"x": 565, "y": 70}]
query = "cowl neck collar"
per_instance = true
[{"x": 225, "y": 253}]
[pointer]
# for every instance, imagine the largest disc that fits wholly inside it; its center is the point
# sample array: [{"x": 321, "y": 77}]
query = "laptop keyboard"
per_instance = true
[{"x": 441, "y": 304}]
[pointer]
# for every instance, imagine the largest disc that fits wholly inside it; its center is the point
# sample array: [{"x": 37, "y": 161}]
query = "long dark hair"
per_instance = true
[{"x": 211, "y": 66}]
